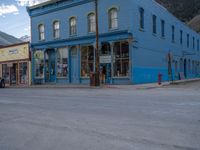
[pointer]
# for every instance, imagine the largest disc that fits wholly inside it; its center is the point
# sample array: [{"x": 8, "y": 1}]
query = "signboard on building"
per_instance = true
[
  {"x": 105, "y": 59},
  {"x": 15, "y": 52}
]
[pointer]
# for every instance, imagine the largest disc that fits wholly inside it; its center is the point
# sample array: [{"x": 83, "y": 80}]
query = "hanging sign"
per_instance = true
[{"x": 105, "y": 59}]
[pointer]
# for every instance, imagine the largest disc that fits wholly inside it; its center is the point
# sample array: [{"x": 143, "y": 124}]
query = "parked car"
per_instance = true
[{"x": 2, "y": 83}]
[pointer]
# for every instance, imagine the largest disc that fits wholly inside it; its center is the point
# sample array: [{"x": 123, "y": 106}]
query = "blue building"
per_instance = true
[{"x": 139, "y": 39}]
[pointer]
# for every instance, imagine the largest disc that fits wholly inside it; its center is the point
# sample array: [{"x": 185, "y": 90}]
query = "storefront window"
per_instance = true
[
  {"x": 23, "y": 73},
  {"x": 39, "y": 64},
  {"x": 5, "y": 73},
  {"x": 87, "y": 60},
  {"x": 121, "y": 59},
  {"x": 62, "y": 62},
  {"x": 13, "y": 73}
]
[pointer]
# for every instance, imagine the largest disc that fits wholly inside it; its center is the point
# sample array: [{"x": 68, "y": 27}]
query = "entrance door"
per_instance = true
[
  {"x": 74, "y": 77},
  {"x": 23, "y": 73},
  {"x": 105, "y": 73},
  {"x": 185, "y": 68},
  {"x": 50, "y": 75},
  {"x": 13, "y": 74}
]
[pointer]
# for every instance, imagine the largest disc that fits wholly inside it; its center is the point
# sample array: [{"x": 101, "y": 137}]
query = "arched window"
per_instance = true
[
  {"x": 41, "y": 32},
  {"x": 72, "y": 26},
  {"x": 56, "y": 29},
  {"x": 91, "y": 22},
  {"x": 113, "y": 18}
]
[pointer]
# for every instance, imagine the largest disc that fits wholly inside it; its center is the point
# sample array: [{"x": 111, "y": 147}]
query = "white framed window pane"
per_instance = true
[
  {"x": 41, "y": 32},
  {"x": 72, "y": 26},
  {"x": 92, "y": 23},
  {"x": 56, "y": 29},
  {"x": 113, "y": 18}
]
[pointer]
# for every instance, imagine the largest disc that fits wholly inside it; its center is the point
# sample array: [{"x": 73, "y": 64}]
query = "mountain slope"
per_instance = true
[
  {"x": 195, "y": 23},
  {"x": 6, "y": 39},
  {"x": 185, "y": 10}
]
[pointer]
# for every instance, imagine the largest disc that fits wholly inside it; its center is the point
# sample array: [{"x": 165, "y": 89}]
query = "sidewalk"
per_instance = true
[{"x": 85, "y": 86}]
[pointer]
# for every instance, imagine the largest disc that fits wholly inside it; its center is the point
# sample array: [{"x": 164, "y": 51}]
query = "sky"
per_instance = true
[{"x": 14, "y": 18}]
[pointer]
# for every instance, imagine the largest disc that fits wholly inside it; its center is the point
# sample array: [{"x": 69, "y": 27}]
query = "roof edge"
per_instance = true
[{"x": 17, "y": 44}]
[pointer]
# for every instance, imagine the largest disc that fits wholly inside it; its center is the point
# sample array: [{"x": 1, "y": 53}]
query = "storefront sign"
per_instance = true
[
  {"x": 105, "y": 59},
  {"x": 17, "y": 52},
  {"x": 13, "y": 51},
  {"x": 9, "y": 64}
]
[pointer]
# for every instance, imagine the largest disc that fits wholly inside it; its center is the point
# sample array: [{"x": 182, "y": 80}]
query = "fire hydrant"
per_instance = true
[{"x": 159, "y": 79}]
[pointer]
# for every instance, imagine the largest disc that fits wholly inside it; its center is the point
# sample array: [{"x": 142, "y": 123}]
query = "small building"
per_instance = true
[
  {"x": 139, "y": 40},
  {"x": 15, "y": 64}
]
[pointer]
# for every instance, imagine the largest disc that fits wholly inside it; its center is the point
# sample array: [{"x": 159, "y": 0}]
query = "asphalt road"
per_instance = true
[{"x": 100, "y": 119}]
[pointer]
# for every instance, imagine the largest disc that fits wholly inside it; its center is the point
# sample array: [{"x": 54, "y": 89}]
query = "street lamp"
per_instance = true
[{"x": 97, "y": 75}]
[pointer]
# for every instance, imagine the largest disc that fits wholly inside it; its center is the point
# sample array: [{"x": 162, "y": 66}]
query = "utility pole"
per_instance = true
[{"x": 97, "y": 72}]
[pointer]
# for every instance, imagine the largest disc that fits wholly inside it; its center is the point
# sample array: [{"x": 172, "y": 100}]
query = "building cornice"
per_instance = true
[{"x": 45, "y": 7}]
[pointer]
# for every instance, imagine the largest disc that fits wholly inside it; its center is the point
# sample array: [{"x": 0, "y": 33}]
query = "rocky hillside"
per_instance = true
[{"x": 186, "y": 10}]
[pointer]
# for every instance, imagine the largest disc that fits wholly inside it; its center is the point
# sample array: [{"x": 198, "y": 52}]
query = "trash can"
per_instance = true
[{"x": 92, "y": 79}]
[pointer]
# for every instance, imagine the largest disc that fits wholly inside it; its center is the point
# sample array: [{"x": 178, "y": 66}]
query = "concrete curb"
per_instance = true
[{"x": 138, "y": 86}]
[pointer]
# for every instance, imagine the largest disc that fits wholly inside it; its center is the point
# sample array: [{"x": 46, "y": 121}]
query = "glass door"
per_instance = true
[
  {"x": 50, "y": 75},
  {"x": 74, "y": 77},
  {"x": 23, "y": 73},
  {"x": 47, "y": 76}
]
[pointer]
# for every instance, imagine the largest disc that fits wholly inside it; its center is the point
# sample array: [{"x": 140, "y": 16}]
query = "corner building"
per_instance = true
[
  {"x": 139, "y": 39},
  {"x": 15, "y": 64}
]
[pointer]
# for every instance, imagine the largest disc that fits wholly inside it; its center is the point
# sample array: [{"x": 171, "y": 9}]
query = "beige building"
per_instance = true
[{"x": 15, "y": 64}]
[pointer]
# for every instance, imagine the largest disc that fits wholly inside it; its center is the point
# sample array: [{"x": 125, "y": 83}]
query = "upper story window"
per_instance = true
[
  {"x": 154, "y": 18},
  {"x": 113, "y": 18},
  {"x": 173, "y": 34},
  {"x": 198, "y": 48},
  {"x": 181, "y": 36},
  {"x": 41, "y": 32},
  {"x": 193, "y": 39},
  {"x": 72, "y": 26},
  {"x": 91, "y": 22},
  {"x": 56, "y": 29},
  {"x": 141, "y": 10},
  {"x": 188, "y": 40},
  {"x": 162, "y": 28}
]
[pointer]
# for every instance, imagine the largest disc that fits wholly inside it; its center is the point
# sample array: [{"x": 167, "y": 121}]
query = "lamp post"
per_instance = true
[{"x": 97, "y": 73}]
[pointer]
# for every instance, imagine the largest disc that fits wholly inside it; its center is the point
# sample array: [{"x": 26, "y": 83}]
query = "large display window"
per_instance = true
[
  {"x": 121, "y": 59},
  {"x": 6, "y": 73},
  {"x": 23, "y": 73},
  {"x": 39, "y": 64},
  {"x": 62, "y": 62},
  {"x": 87, "y": 60}
]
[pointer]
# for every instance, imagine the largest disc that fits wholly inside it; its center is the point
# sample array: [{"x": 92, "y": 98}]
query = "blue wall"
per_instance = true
[{"x": 148, "y": 52}]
